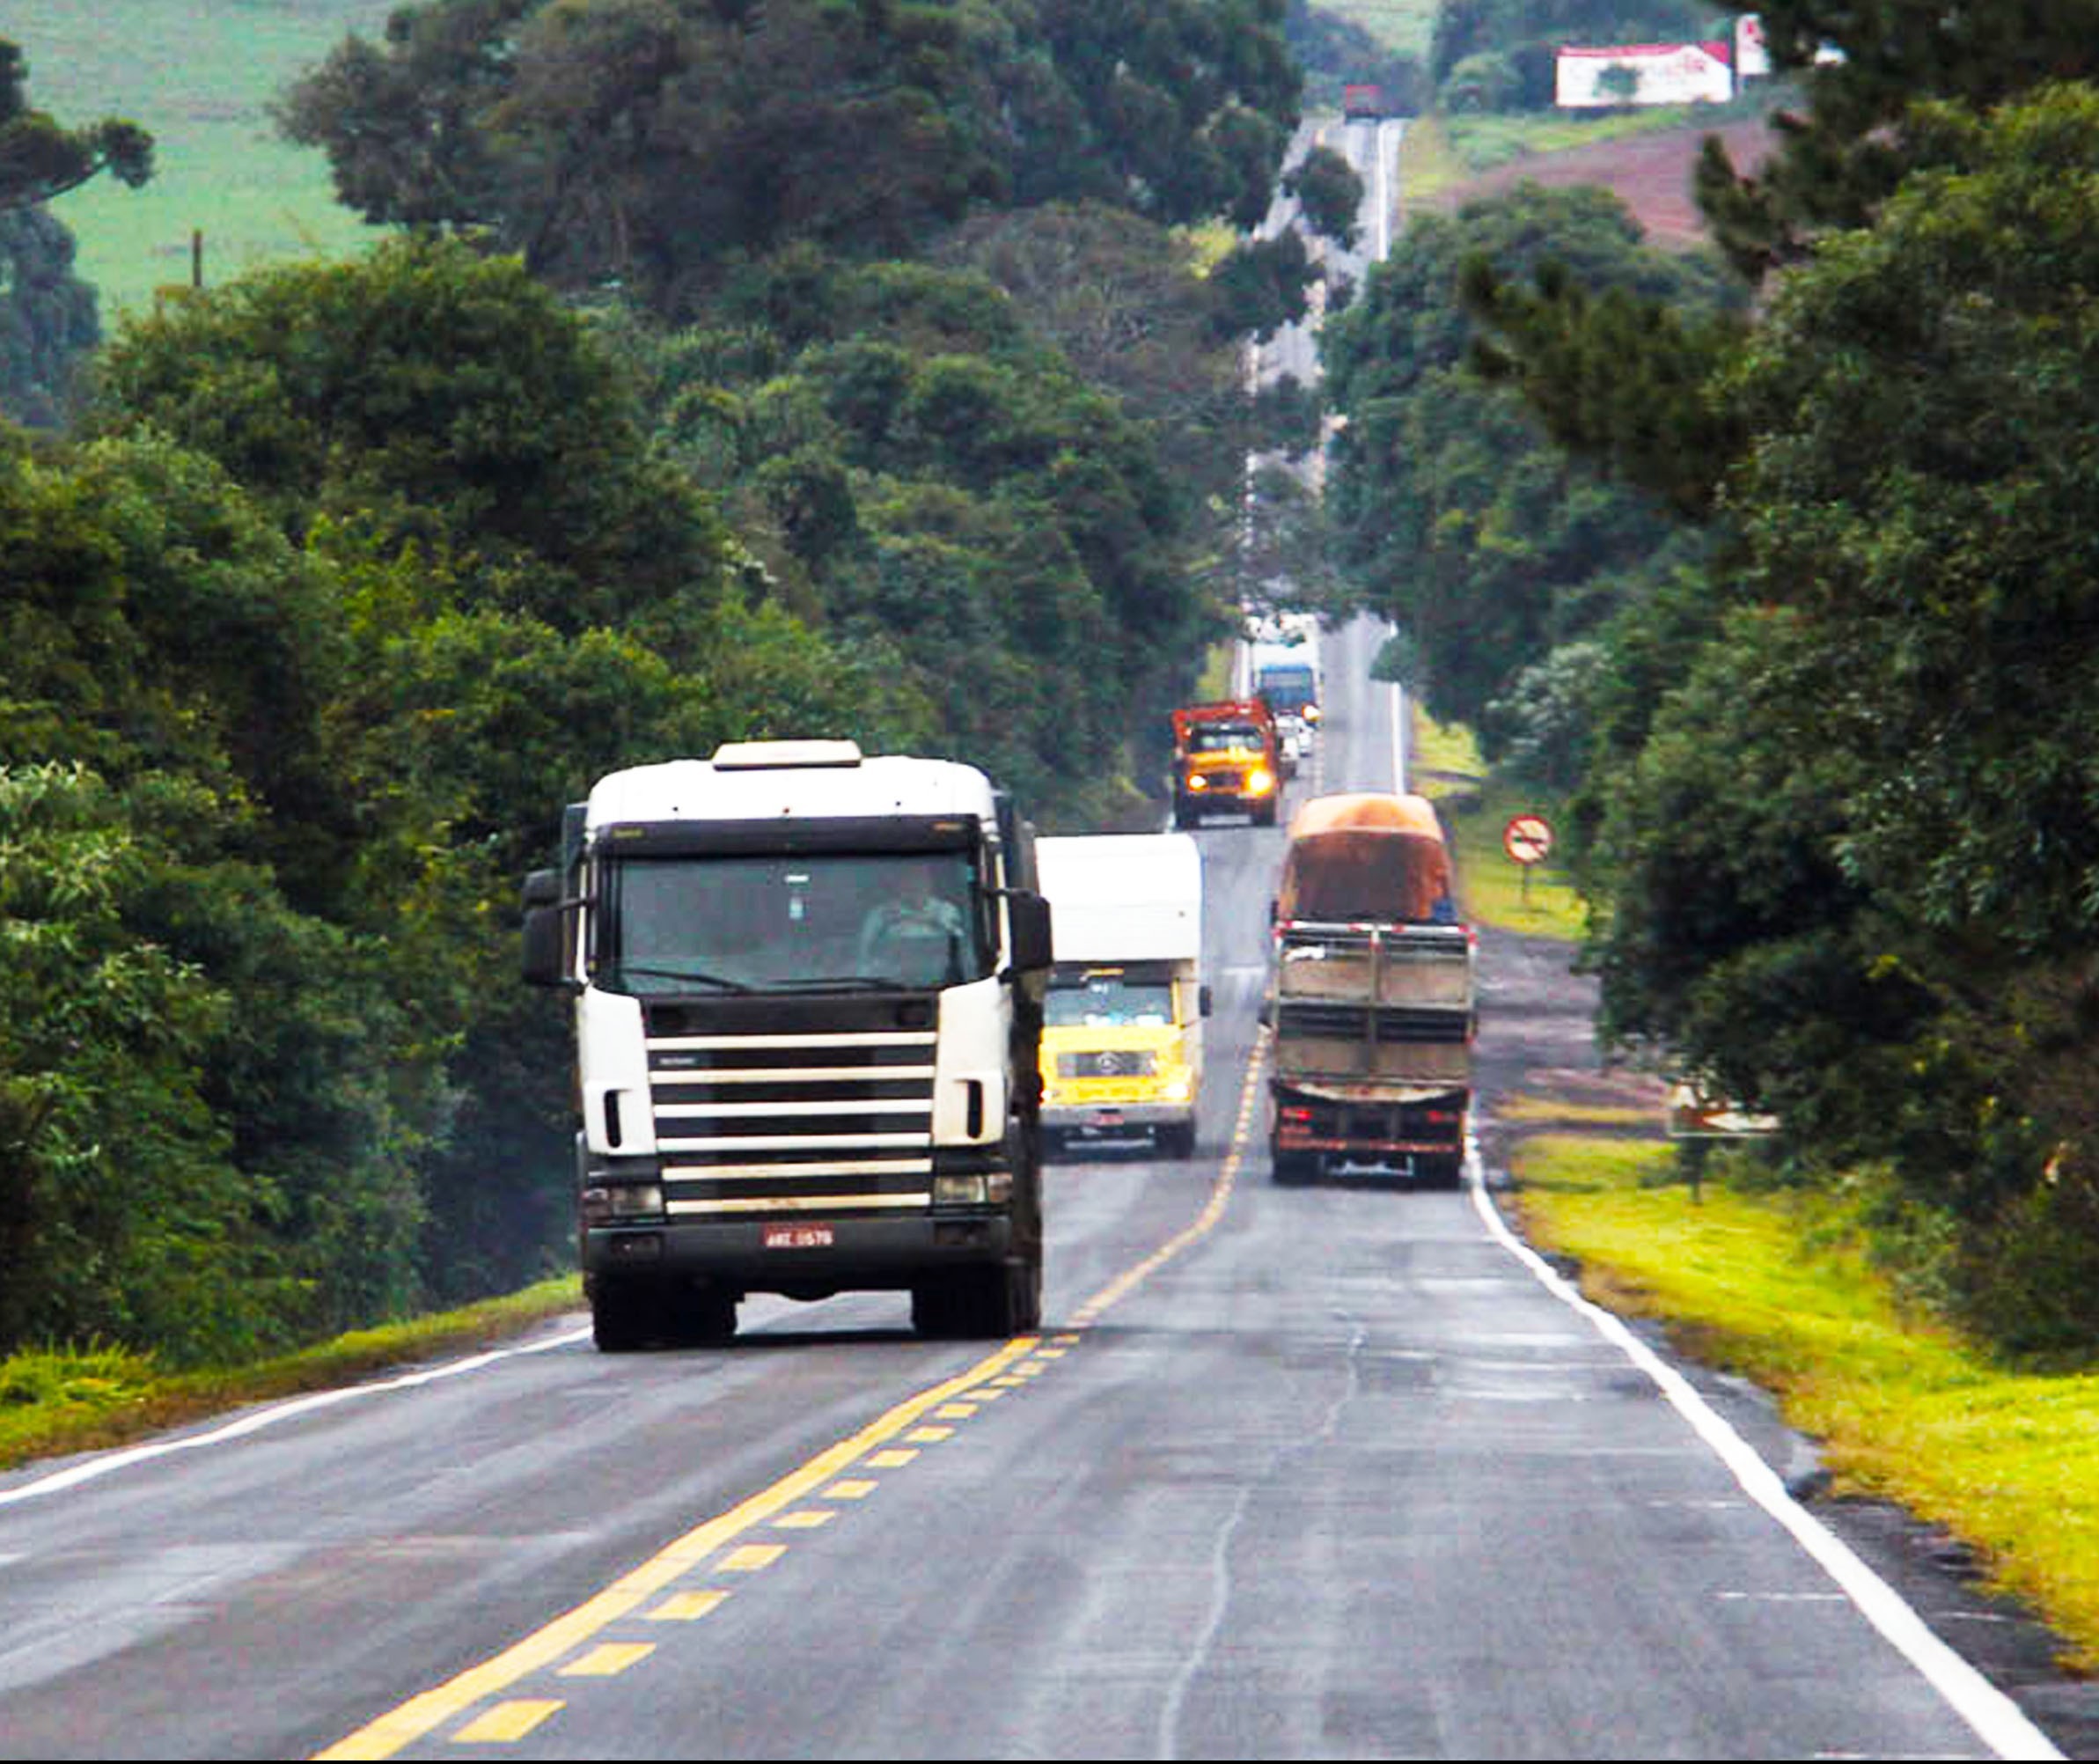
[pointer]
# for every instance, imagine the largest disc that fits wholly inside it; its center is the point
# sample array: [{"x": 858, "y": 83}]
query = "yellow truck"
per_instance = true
[{"x": 1122, "y": 1022}]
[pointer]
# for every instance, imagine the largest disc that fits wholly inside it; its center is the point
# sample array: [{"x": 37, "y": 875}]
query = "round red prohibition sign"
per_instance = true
[{"x": 1527, "y": 838}]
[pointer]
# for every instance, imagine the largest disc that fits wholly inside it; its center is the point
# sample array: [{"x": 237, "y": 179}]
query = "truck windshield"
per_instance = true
[
  {"x": 1225, "y": 737},
  {"x": 1097, "y": 1001},
  {"x": 745, "y": 922}
]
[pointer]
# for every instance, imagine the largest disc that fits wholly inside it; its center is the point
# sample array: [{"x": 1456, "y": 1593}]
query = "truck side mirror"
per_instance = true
[
  {"x": 544, "y": 942},
  {"x": 1203, "y": 1001},
  {"x": 1029, "y": 916}
]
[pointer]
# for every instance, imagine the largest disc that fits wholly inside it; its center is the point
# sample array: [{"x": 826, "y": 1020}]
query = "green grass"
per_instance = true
[
  {"x": 1537, "y": 899},
  {"x": 199, "y": 75},
  {"x": 1773, "y": 1285},
  {"x": 53, "y": 1402}
]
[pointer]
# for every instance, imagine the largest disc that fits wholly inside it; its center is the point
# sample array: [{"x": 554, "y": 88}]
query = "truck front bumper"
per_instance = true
[
  {"x": 794, "y": 1253},
  {"x": 1077, "y": 1120}
]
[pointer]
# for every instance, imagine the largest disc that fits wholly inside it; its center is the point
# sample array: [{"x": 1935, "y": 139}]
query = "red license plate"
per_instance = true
[{"x": 799, "y": 1236}]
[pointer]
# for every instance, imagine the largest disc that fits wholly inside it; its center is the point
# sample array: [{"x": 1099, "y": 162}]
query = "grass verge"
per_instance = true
[
  {"x": 1536, "y": 899},
  {"x": 53, "y": 1403}
]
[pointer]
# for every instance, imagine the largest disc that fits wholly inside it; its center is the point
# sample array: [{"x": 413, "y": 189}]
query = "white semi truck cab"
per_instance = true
[{"x": 807, "y": 989}]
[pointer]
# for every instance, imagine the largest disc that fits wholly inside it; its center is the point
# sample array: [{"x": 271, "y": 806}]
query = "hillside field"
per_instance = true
[
  {"x": 199, "y": 75},
  {"x": 1649, "y": 173}
]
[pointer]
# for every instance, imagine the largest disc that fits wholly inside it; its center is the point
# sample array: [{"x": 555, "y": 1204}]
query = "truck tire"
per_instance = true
[
  {"x": 1178, "y": 1140},
  {"x": 975, "y": 1303},
  {"x": 1288, "y": 1168},
  {"x": 1447, "y": 1172},
  {"x": 623, "y": 1315},
  {"x": 1184, "y": 813},
  {"x": 1265, "y": 815},
  {"x": 1026, "y": 1276},
  {"x": 709, "y": 1317}
]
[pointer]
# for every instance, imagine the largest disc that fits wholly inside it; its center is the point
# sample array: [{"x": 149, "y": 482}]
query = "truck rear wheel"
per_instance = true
[
  {"x": 1446, "y": 1171},
  {"x": 1290, "y": 1167}
]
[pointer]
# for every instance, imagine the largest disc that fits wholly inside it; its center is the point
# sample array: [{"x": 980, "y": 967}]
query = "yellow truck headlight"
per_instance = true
[{"x": 1260, "y": 782}]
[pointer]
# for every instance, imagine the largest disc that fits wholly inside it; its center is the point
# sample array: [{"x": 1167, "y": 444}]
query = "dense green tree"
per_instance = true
[
  {"x": 1335, "y": 52},
  {"x": 936, "y": 484},
  {"x": 1454, "y": 512},
  {"x": 1329, "y": 193},
  {"x": 431, "y": 393},
  {"x": 40, "y": 158},
  {"x": 1842, "y": 153},
  {"x": 1895, "y": 719},
  {"x": 121, "y": 1216},
  {"x": 656, "y": 142},
  {"x": 48, "y": 322}
]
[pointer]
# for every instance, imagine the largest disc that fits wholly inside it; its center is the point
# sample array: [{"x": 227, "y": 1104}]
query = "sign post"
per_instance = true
[{"x": 1528, "y": 840}]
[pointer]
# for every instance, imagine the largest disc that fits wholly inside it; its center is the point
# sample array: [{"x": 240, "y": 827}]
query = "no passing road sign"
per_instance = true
[{"x": 1528, "y": 838}]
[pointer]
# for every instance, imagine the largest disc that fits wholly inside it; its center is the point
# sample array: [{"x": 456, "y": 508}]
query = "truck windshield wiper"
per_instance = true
[
  {"x": 626, "y": 970},
  {"x": 835, "y": 983}
]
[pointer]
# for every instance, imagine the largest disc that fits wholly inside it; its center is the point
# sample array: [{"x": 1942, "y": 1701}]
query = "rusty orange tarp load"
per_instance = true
[{"x": 1366, "y": 855}]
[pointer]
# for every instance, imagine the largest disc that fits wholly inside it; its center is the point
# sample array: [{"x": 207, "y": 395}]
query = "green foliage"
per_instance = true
[
  {"x": 656, "y": 146},
  {"x": 1329, "y": 193},
  {"x": 1844, "y": 156},
  {"x": 40, "y": 158},
  {"x": 937, "y": 487},
  {"x": 1335, "y": 50},
  {"x": 1846, "y": 857},
  {"x": 48, "y": 322},
  {"x": 1455, "y": 515},
  {"x": 123, "y": 1215}
]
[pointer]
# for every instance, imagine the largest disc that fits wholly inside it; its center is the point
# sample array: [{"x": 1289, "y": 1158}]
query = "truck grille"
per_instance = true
[
  {"x": 782, "y": 1106},
  {"x": 1108, "y": 1062}
]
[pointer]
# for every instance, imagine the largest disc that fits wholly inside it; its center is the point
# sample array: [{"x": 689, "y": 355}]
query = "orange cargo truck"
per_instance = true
[
  {"x": 1370, "y": 995},
  {"x": 1226, "y": 761}
]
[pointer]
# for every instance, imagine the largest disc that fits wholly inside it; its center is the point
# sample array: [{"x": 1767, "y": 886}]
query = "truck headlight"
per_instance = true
[
  {"x": 1260, "y": 781},
  {"x": 974, "y": 1190},
  {"x": 606, "y": 1203}
]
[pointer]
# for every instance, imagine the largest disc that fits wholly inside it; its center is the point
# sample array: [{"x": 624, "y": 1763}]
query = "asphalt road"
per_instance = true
[{"x": 1332, "y": 1471}]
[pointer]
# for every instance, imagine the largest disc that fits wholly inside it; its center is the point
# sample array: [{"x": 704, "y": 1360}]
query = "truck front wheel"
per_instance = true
[{"x": 623, "y": 1315}]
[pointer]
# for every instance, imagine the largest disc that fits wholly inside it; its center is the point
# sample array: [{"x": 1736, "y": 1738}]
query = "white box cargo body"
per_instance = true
[{"x": 1122, "y": 1035}]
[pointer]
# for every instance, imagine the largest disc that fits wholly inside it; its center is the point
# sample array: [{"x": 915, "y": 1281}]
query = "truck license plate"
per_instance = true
[{"x": 799, "y": 1236}]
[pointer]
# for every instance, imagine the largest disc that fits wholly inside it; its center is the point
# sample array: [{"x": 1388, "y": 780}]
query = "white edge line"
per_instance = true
[
  {"x": 1997, "y": 1720},
  {"x": 103, "y": 1463}
]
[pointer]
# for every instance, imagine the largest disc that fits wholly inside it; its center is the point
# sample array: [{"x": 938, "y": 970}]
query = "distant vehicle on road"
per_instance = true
[
  {"x": 1370, "y": 995},
  {"x": 1122, "y": 1025}
]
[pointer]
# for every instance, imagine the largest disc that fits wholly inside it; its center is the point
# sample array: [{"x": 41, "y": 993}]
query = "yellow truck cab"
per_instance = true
[{"x": 1122, "y": 1022}]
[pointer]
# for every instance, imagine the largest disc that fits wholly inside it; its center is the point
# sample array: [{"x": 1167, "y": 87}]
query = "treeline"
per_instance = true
[
  {"x": 1788, "y": 605},
  {"x": 726, "y": 372}
]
